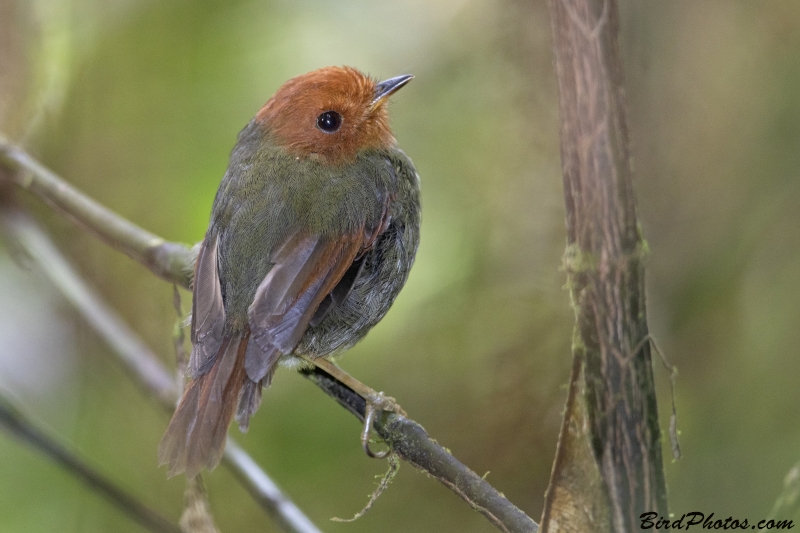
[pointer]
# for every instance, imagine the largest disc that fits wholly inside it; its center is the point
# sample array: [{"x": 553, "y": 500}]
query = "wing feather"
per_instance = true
[
  {"x": 208, "y": 311},
  {"x": 305, "y": 271}
]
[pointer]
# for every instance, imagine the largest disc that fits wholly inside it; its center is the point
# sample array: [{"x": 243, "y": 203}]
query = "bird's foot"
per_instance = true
[
  {"x": 381, "y": 402},
  {"x": 376, "y": 402}
]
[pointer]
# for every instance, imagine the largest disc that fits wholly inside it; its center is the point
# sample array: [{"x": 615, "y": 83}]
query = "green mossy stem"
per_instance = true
[{"x": 411, "y": 442}]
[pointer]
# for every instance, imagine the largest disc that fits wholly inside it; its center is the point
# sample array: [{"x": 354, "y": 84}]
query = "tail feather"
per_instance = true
[
  {"x": 196, "y": 434},
  {"x": 250, "y": 397},
  {"x": 249, "y": 400}
]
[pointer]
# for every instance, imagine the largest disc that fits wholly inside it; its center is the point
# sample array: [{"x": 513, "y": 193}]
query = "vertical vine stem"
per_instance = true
[{"x": 611, "y": 463}]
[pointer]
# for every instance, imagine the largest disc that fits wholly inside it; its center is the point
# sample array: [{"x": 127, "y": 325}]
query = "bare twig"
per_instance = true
[
  {"x": 265, "y": 491},
  {"x": 168, "y": 260},
  {"x": 13, "y": 421},
  {"x": 142, "y": 365},
  {"x": 173, "y": 262},
  {"x": 196, "y": 517},
  {"x": 787, "y": 506},
  {"x": 675, "y": 444}
]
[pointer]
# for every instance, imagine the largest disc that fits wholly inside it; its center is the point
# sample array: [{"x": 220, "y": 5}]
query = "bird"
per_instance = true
[{"x": 313, "y": 232}]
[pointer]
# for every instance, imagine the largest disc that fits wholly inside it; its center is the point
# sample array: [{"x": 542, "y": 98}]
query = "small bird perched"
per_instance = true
[{"x": 312, "y": 235}]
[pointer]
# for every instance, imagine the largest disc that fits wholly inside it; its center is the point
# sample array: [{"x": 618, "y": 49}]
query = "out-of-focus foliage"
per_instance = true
[{"x": 139, "y": 102}]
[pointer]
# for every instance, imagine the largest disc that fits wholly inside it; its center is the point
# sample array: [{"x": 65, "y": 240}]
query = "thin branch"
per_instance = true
[
  {"x": 412, "y": 443},
  {"x": 142, "y": 365},
  {"x": 168, "y": 260},
  {"x": 787, "y": 505},
  {"x": 265, "y": 491},
  {"x": 14, "y": 422},
  {"x": 173, "y": 262},
  {"x": 197, "y": 517}
]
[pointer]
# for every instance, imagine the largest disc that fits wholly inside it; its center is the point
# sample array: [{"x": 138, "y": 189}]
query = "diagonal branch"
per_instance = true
[
  {"x": 168, "y": 260},
  {"x": 142, "y": 365},
  {"x": 173, "y": 262},
  {"x": 788, "y": 503},
  {"x": 412, "y": 443},
  {"x": 14, "y": 422}
]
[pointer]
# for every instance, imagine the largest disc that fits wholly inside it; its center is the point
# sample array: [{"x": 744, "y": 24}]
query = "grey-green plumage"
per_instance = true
[
  {"x": 313, "y": 232},
  {"x": 261, "y": 202}
]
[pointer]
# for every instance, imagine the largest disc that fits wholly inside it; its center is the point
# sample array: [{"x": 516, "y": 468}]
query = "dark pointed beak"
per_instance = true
[{"x": 388, "y": 87}]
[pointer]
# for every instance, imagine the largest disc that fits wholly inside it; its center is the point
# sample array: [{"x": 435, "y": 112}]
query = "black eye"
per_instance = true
[{"x": 329, "y": 121}]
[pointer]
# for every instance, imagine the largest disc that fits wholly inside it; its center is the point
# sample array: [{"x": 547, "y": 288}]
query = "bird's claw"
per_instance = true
[
  {"x": 376, "y": 403},
  {"x": 380, "y": 402}
]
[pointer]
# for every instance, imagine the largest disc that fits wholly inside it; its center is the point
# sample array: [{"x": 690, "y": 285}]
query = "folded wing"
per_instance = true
[
  {"x": 208, "y": 311},
  {"x": 306, "y": 268},
  {"x": 228, "y": 365}
]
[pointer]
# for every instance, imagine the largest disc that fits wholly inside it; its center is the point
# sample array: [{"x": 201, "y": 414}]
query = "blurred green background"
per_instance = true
[{"x": 138, "y": 102}]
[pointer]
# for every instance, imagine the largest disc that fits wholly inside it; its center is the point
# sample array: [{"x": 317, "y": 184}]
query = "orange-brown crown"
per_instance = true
[{"x": 292, "y": 114}]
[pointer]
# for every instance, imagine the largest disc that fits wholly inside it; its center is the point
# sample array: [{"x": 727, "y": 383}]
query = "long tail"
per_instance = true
[{"x": 196, "y": 434}]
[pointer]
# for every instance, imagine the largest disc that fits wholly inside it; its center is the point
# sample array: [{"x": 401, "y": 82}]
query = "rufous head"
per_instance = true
[{"x": 332, "y": 113}]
